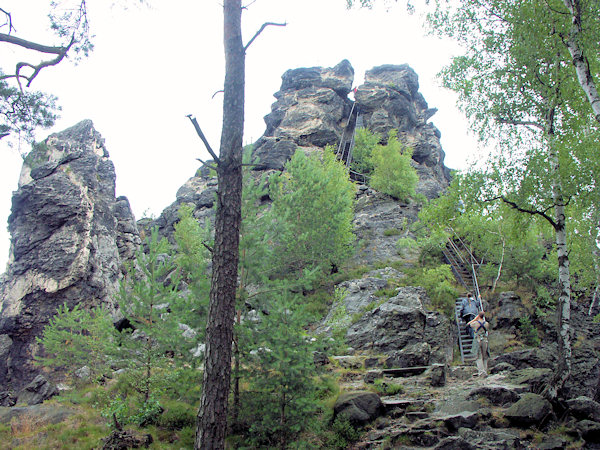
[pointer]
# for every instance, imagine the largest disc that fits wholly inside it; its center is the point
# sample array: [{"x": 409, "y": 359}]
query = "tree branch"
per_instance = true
[
  {"x": 10, "y": 39},
  {"x": 264, "y": 25},
  {"x": 8, "y": 20},
  {"x": 210, "y": 166},
  {"x": 37, "y": 68},
  {"x": 208, "y": 247},
  {"x": 203, "y": 138},
  {"x": 532, "y": 212},
  {"x": 520, "y": 122}
]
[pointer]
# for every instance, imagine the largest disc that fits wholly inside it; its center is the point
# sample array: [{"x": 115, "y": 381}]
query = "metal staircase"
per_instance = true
[
  {"x": 464, "y": 266},
  {"x": 465, "y": 342}
]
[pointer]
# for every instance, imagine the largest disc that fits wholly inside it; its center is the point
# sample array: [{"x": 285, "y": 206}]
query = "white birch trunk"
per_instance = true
[
  {"x": 582, "y": 67},
  {"x": 563, "y": 369}
]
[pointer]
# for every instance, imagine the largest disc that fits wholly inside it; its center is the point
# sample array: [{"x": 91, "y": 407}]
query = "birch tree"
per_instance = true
[{"x": 515, "y": 85}]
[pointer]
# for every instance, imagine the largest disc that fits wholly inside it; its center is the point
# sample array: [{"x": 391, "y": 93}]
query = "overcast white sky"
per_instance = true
[{"x": 154, "y": 64}]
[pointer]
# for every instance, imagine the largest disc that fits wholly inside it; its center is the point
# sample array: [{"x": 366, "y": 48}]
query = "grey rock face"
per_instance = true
[
  {"x": 510, "y": 310},
  {"x": 70, "y": 236},
  {"x": 379, "y": 221},
  {"x": 309, "y": 112},
  {"x": 313, "y": 108},
  {"x": 199, "y": 192},
  {"x": 37, "y": 391},
  {"x": 389, "y": 100},
  {"x": 399, "y": 328}
]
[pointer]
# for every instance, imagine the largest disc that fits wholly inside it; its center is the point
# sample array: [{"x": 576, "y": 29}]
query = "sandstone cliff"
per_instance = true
[{"x": 70, "y": 236}]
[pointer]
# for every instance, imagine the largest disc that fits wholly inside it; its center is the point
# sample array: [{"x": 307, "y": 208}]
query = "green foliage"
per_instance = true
[
  {"x": 528, "y": 332},
  {"x": 344, "y": 433},
  {"x": 364, "y": 143},
  {"x": 281, "y": 372},
  {"x": 76, "y": 338},
  {"x": 389, "y": 166},
  {"x": 393, "y": 173},
  {"x": 382, "y": 387},
  {"x": 392, "y": 232},
  {"x": 192, "y": 261},
  {"x": 438, "y": 281},
  {"x": 543, "y": 302},
  {"x": 312, "y": 214}
]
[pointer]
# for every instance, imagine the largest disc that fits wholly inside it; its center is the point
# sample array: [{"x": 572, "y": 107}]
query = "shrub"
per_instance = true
[
  {"x": 344, "y": 433},
  {"x": 393, "y": 173},
  {"x": 177, "y": 415},
  {"x": 382, "y": 387},
  {"x": 528, "y": 332}
]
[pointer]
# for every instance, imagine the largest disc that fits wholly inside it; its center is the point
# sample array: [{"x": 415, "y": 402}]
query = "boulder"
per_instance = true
[
  {"x": 529, "y": 358},
  {"x": 531, "y": 409},
  {"x": 7, "y": 399},
  {"x": 359, "y": 407},
  {"x": 390, "y": 327},
  {"x": 454, "y": 443},
  {"x": 534, "y": 379},
  {"x": 463, "y": 419},
  {"x": 590, "y": 431},
  {"x": 37, "y": 391},
  {"x": 584, "y": 408},
  {"x": 437, "y": 375},
  {"x": 492, "y": 439},
  {"x": 496, "y": 395}
]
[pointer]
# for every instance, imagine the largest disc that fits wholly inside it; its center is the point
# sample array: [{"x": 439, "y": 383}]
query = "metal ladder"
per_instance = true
[
  {"x": 465, "y": 342},
  {"x": 346, "y": 145}
]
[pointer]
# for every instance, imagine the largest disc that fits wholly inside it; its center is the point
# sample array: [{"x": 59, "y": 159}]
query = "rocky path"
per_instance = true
[{"x": 466, "y": 412}]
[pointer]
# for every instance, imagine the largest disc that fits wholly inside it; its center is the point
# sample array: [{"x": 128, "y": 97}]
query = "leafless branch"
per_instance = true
[
  {"x": 220, "y": 91},
  {"x": 532, "y": 212},
  {"x": 8, "y": 20},
  {"x": 61, "y": 52},
  {"x": 249, "y": 4},
  {"x": 205, "y": 164},
  {"x": 208, "y": 247},
  {"x": 31, "y": 45},
  {"x": 260, "y": 30},
  {"x": 203, "y": 138}
]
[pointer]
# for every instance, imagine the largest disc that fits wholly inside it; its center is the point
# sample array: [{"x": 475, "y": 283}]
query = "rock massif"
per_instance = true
[
  {"x": 70, "y": 236},
  {"x": 313, "y": 109}
]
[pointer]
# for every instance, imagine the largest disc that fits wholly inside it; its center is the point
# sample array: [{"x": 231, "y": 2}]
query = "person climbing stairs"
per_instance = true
[{"x": 465, "y": 341}]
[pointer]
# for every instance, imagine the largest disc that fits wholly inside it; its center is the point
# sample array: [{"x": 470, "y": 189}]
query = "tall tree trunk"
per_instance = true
[
  {"x": 580, "y": 61},
  {"x": 563, "y": 369},
  {"x": 212, "y": 415},
  {"x": 596, "y": 258}
]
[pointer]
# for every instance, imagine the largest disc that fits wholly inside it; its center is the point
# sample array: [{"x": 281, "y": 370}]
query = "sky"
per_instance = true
[{"x": 155, "y": 63}]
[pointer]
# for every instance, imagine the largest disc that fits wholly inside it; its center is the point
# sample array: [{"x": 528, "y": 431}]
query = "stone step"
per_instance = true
[{"x": 405, "y": 371}]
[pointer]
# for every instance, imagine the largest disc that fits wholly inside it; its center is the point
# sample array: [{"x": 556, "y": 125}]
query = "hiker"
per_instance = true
[
  {"x": 468, "y": 311},
  {"x": 480, "y": 348}
]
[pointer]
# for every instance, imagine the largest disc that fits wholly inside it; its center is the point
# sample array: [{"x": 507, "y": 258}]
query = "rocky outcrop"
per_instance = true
[
  {"x": 313, "y": 109},
  {"x": 390, "y": 100},
  {"x": 309, "y": 113},
  {"x": 70, "y": 235},
  {"x": 402, "y": 329},
  {"x": 199, "y": 192}
]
